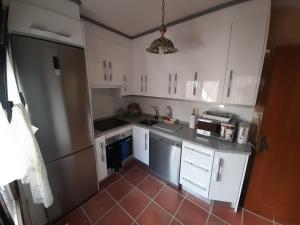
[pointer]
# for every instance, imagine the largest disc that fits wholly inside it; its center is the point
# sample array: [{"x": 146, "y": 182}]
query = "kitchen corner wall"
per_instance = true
[
  {"x": 106, "y": 101},
  {"x": 182, "y": 109}
]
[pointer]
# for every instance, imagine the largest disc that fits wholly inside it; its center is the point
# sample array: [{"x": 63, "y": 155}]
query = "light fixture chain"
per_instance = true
[{"x": 163, "y": 12}]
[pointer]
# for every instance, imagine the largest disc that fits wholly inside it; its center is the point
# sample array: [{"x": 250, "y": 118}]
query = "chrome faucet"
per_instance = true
[
  {"x": 156, "y": 111},
  {"x": 170, "y": 112}
]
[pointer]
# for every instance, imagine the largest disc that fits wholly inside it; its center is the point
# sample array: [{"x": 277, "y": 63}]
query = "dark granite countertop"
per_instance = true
[{"x": 185, "y": 134}]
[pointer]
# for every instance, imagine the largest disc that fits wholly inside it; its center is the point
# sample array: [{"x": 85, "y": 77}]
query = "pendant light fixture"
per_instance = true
[{"x": 162, "y": 45}]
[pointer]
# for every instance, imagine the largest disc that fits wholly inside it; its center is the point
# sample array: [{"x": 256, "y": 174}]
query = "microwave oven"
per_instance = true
[{"x": 216, "y": 124}]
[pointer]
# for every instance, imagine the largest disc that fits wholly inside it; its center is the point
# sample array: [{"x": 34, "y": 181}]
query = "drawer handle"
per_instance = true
[
  {"x": 102, "y": 151},
  {"x": 43, "y": 29},
  {"x": 195, "y": 184},
  {"x": 218, "y": 172},
  {"x": 199, "y": 167},
  {"x": 194, "y": 150}
]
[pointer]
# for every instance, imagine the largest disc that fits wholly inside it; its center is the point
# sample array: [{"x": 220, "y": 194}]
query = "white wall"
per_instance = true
[
  {"x": 182, "y": 109},
  {"x": 105, "y": 102}
]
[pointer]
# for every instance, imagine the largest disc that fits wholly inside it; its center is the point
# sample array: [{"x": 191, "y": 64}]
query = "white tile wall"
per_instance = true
[
  {"x": 105, "y": 102},
  {"x": 183, "y": 109}
]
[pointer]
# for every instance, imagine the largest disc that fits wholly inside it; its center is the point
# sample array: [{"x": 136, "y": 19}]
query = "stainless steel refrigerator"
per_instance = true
[{"x": 53, "y": 80}]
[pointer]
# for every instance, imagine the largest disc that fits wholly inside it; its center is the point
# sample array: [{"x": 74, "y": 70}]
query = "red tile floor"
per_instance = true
[{"x": 135, "y": 197}]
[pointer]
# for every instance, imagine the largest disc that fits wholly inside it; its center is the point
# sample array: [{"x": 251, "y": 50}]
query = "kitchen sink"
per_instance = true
[{"x": 148, "y": 122}]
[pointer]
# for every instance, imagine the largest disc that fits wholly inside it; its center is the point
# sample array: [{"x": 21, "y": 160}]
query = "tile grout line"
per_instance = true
[
  {"x": 257, "y": 215},
  {"x": 151, "y": 201},
  {"x": 134, "y": 188},
  {"x": 121, "y": 176},
  {"x": 212, "y": 214},
  {"x": 242, "y": 220},
  {"x": 85, "y": 213},
  {"x": 116, "y": 202},
  {"x": 174, "y": 216}
]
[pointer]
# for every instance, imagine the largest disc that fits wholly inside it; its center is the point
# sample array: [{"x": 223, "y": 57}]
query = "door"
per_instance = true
[
  {"x": 141, "y": 144},
  {"x": 73, "y": 180},
  {"x": 54, "y": 83},
  {"x": 245, "y": 57},
  {"x": 101, "y": 158},
  {"x": 275, "y": 182}
]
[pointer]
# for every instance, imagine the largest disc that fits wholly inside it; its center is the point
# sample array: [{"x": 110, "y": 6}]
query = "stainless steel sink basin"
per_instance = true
[{"x": 148, "y": 122}]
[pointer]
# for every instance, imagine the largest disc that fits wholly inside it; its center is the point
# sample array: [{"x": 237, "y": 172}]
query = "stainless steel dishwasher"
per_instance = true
[{"x": 165, "y": 155}]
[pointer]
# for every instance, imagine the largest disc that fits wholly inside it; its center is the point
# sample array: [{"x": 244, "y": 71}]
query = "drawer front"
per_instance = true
[
  {"x": 39, "y": 22},
  {"x": 195, "y": 181},
  {"x": 196, "y": 175},
  {"x": 197, "y": 156}
]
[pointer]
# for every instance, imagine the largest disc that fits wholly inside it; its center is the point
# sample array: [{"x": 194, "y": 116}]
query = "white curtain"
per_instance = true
[{"x": 20, "y": 156}]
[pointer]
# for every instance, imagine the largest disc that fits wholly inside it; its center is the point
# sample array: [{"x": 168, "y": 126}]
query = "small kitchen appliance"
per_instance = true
[
  {"x": 216, "y": 124},
  {"x": 243, "y": 131}
]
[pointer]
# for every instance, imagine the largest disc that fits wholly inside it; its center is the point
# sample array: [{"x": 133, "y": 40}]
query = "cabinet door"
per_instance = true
[
  {"x": 137, "y": 81},
  {"x": 227, "y": 176},
  {"x": 141, "y": 144},
  {"x": 118, "y": 63},
  {"x": 101, "y": 158},
  {"x": 97, "y": 62},
  {"x": 245, "y": 59},
  {"x": 160, "y": 70}
]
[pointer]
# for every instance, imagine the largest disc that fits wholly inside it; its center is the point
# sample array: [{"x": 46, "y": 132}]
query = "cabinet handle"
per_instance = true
[
  {"x": 44, "y": 29},
  {"x": 194, "y": 165},
  {"x": 200, "y": 152},
  {"x": 193, "y": 183},
  {"x": 110, "y": 70},
  {"x": 146, "y": 145},
  {"x": 104, "y": 68},
  {"x": 175, "y": 84},
  {"x": 229, "y": 83},
  {"x": 142, "y": 83},
  {"x": 102, "y": 151},
  {"x": 170, "y": 78},
  {"x": 217, "y": 174},
  {"x": 124, "y": 79},
  {"x": 195, "y": 83},
  {"x": 146, "y": 83}
]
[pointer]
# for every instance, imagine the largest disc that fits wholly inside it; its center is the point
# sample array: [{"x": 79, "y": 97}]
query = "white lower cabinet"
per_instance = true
[
  {"x": 141, "y": 144},
  {"x": 212, "y": 174},
  {"x": 101, "y": 158},
  {"x": 227, "y": 176}
]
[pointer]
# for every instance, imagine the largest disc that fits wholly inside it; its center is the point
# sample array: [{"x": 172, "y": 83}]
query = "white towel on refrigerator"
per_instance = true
[{"x": 36, "y": 174}]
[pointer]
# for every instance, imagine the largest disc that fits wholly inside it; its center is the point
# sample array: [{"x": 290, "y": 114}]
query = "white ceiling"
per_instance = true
[{"x": 133, "y": 17}]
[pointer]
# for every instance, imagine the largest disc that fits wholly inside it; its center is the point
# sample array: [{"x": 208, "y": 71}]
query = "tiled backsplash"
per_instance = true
[
  {"x": 182, "y": 109},
  {"x": 105, "y": 102}
]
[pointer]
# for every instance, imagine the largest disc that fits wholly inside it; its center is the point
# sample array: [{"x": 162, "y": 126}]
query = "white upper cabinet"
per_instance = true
[
  {"x": 29, "y": 19},
  {"x": 245, "y": 59},
  {"x": 201, "y": 60},
  {"x": 139, "y": 79},
  {"x": 159, "y": 69},
  {"x": 108, "y": 58}
]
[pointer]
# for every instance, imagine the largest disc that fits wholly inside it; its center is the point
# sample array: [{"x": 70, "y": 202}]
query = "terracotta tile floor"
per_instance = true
[{"x": 135, "y": 197}]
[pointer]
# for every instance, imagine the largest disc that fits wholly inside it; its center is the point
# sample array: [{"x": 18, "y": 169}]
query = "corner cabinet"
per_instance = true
[
  {"x": 108, "y": 60},
  {"x": 101, "y": 158},
  {"x": 141, "y": 144},
  {"x": 245, "y": 59},
  {"x": 227, "y": 177},
  {"x": 214, "y": 175}
]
